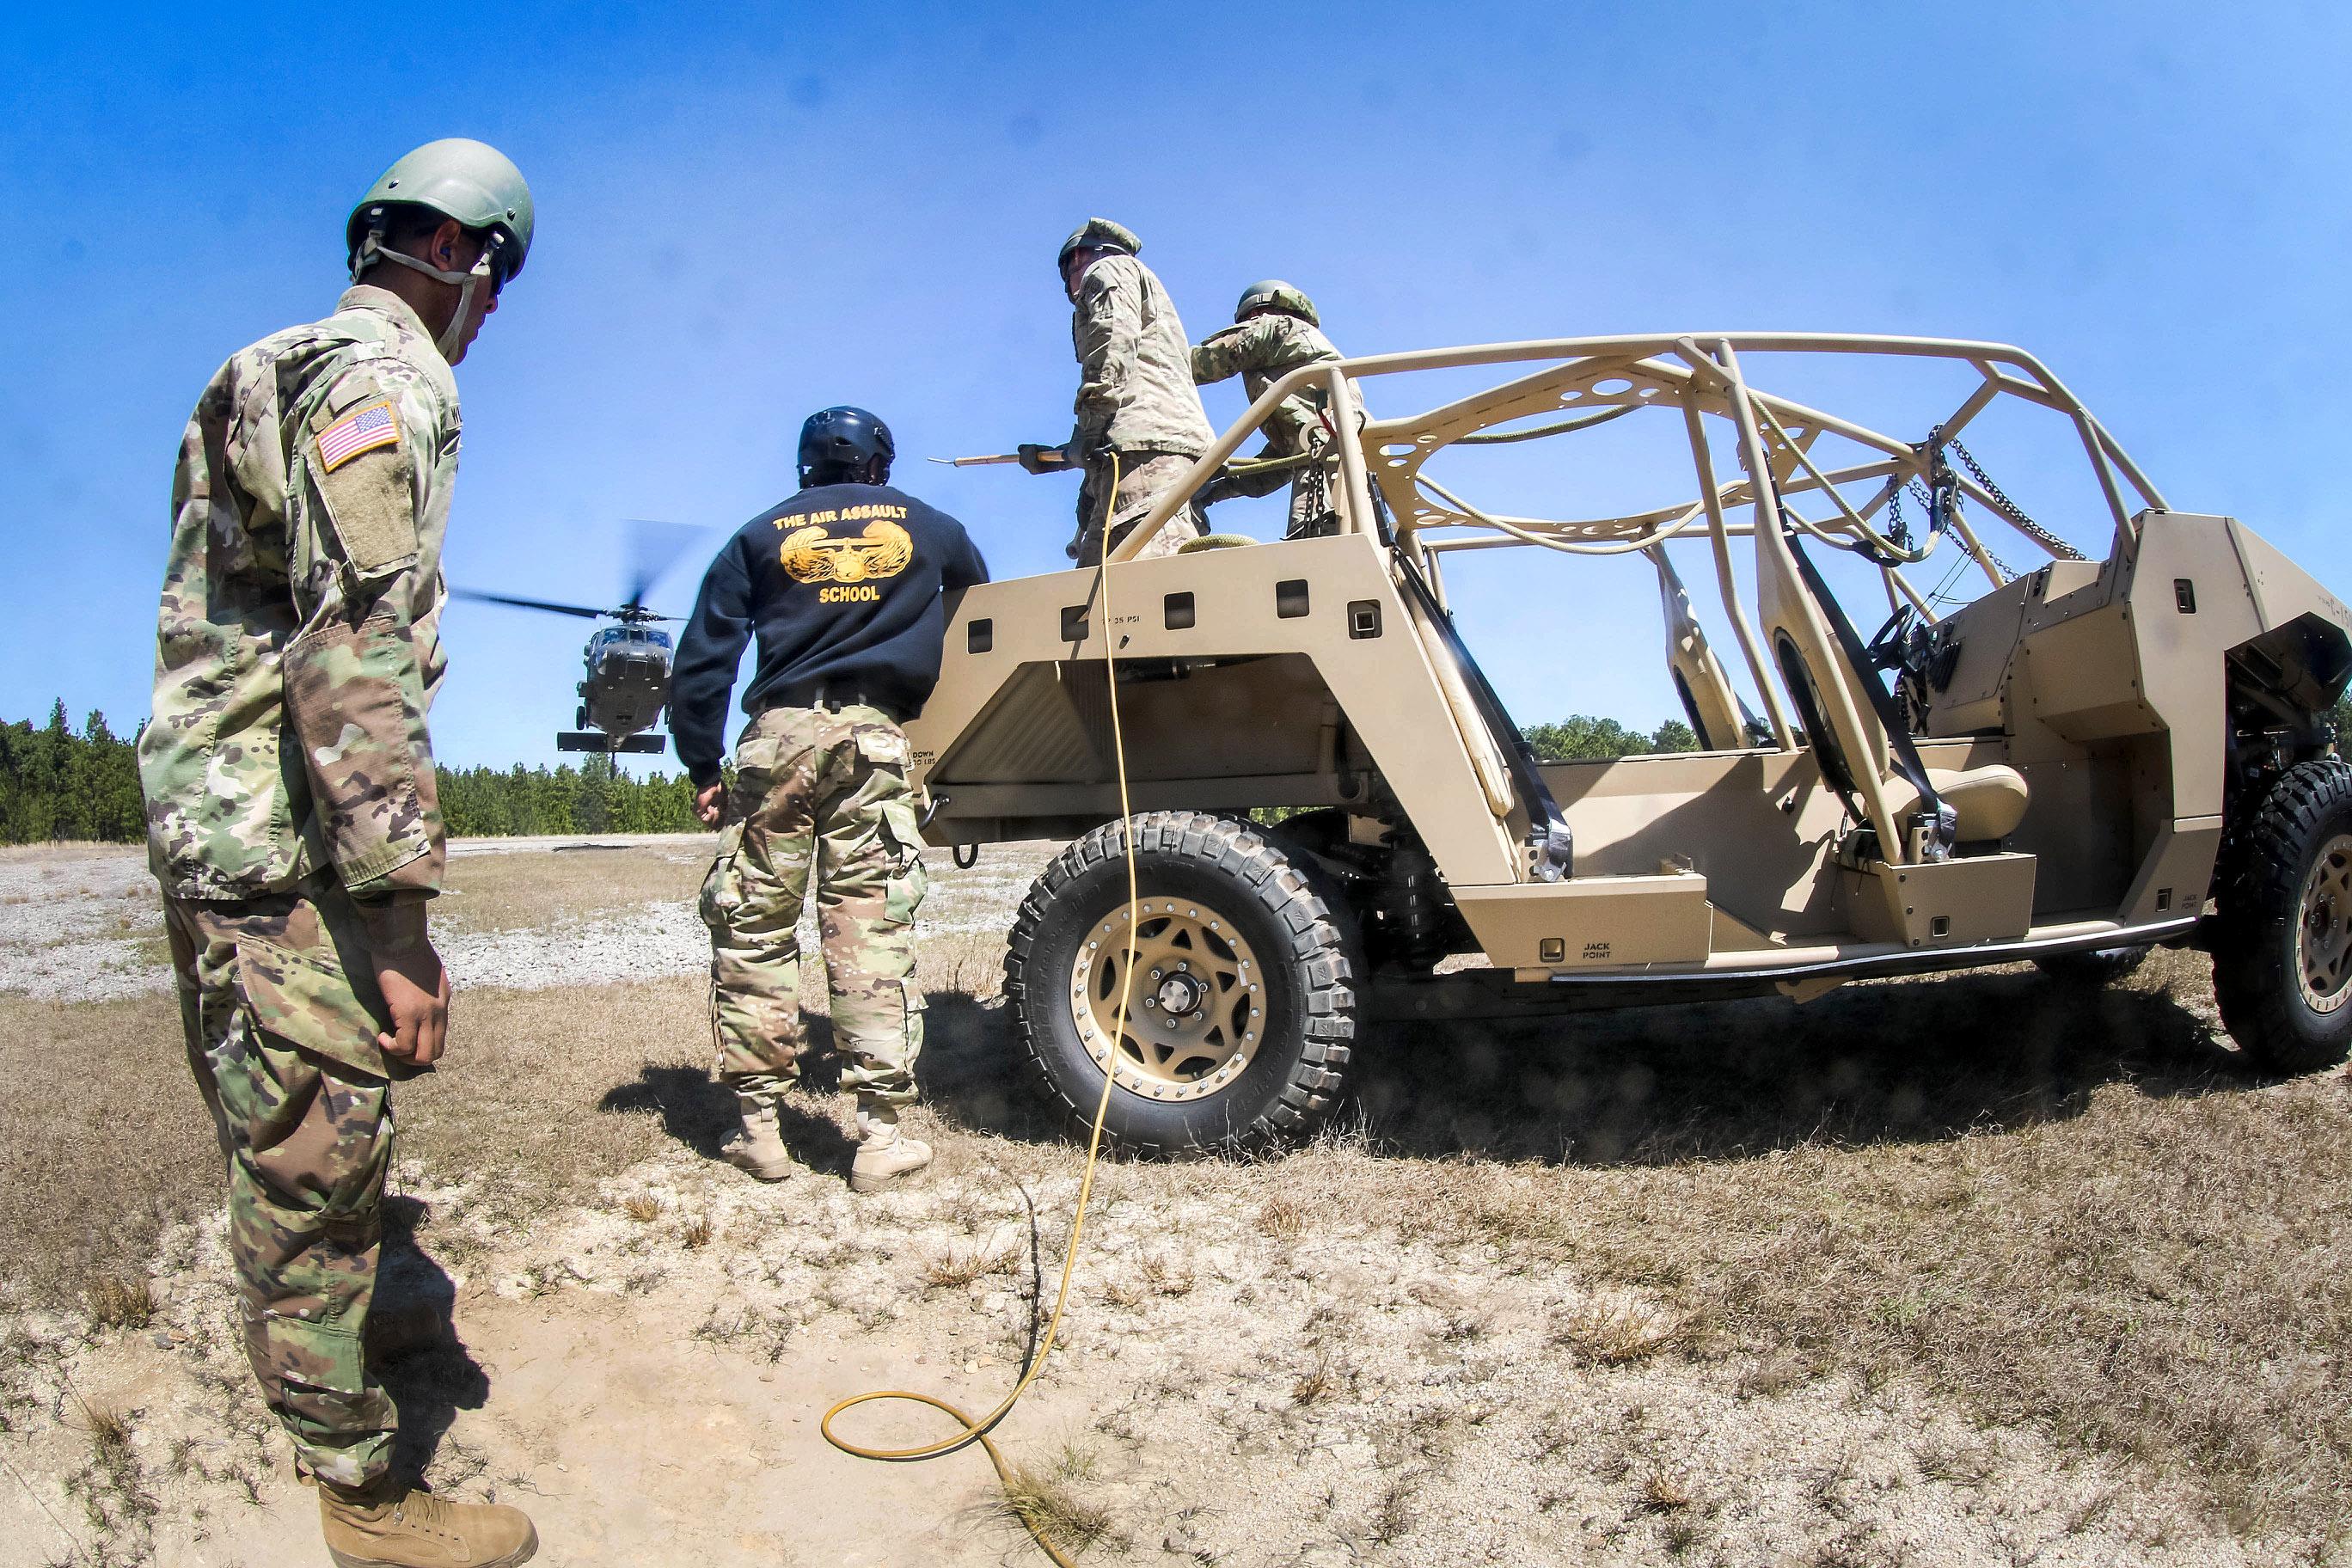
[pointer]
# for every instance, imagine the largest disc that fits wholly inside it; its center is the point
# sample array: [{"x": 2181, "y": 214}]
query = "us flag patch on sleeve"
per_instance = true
[{"x": 363, "y": 429}]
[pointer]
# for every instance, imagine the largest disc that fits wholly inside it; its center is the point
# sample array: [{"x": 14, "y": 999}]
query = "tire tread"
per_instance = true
[
  {"x": 2260, "y": 902},
  {"x": 1318, "y": 957}
]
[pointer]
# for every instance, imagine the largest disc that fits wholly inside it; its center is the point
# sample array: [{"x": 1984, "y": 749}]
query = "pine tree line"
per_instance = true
[
  {"x": 594, "y": 797},
  {"x": 57, "y": 782}
]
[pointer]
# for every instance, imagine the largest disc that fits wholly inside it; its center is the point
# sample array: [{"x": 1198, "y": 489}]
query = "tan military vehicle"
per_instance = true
[{"x": 2089, "y": 757}]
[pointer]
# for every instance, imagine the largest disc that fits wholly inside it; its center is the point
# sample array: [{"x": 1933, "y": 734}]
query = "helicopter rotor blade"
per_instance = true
[
  {"x": 654, "y": 547},
  {"x": 585, "y": 611}
]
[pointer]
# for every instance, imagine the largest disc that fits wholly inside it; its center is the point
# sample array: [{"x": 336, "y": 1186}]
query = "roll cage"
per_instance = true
[{"x": 1782, "y": 489}]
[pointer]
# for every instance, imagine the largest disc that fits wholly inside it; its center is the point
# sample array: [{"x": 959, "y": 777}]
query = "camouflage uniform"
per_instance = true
[
  {"x": 818, "y": 792},
  {"x": 1141, "y": 477},
  {"x": 1135, "y": 398},
  {"x": 1261, "y": 351},
  {"x": 291, "y": 818}
]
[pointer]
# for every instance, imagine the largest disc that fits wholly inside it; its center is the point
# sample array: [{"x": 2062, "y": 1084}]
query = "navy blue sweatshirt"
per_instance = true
[{"x": 842, "y": 584}]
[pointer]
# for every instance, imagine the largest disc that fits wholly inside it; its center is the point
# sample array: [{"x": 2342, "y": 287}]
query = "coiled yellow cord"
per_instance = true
[{"x": 977, "y": 1431}]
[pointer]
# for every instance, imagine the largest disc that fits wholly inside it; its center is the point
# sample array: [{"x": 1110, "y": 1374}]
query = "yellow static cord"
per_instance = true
[{"x": 977, "y": 1431}]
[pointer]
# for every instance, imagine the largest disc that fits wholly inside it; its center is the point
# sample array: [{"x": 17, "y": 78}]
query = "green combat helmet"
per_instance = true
[
  {"x": 1274, "y": 294},
  {"x": 470, "y": 180},
  {"x": 1099, "y": 234}
]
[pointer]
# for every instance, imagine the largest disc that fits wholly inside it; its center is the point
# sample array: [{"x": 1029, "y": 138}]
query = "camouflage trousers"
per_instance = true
[
  {"x": 1142, "y": 476},
  {"x": 1311, "y": 512},
  {"x": 820, "y": 799},
  {"x": 279, "y": 1007}
]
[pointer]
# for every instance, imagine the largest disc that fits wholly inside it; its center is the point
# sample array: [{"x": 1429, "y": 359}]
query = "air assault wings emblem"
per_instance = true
[{"x": 813, "y": 555}]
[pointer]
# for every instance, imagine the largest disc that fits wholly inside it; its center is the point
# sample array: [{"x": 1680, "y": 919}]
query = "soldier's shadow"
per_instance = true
[
  {"x": 969, "y": 1071},
  {"x": 698, "y": 1109},
  {"x": 965, "y": 1073},
  {"x": 413, "y": 1345}
]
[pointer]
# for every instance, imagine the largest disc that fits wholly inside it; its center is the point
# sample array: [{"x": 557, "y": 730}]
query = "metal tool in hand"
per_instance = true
[{"x": 1036, "y": 457}]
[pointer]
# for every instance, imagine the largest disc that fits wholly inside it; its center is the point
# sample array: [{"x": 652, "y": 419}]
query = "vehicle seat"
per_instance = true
[
  {"x": 1214, "y": 541},
  {"x": 1989, "y": 801}
]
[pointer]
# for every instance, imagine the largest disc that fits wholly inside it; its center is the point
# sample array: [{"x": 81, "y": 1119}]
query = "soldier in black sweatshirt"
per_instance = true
[{"x": 842, "y": 585}]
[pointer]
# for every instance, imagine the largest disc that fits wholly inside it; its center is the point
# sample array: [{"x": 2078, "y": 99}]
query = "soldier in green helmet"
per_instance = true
[
  {"x": 1138, "y": 412},
  {"x": 1275, "y": 331},
  {"x": 291, "y": 809}
]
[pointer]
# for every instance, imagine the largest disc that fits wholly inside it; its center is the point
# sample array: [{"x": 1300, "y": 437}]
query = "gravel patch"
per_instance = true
[
  {"x": 572, "y": 843},
  {"x": 654, "y": 941},
  {"x": 86, "y": 924},
  {"x": 80, "y": 924}
]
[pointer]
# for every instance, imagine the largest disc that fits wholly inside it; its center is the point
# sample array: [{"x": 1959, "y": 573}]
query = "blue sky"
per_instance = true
[{"x": 748, "y": 213}]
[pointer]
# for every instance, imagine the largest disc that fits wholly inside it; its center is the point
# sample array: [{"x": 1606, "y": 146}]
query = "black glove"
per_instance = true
[
  {"x": 1225, "y": 486},
  {"x": 1043, "y": 459}
]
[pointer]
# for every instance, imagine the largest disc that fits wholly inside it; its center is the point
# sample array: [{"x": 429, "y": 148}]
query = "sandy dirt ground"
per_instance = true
[{"x": 1529, "y": 1299}]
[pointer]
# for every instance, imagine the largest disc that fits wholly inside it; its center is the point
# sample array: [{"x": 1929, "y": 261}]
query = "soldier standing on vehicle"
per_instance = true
[
  {"x": 1137, "y": 404},
  {"x": 842, "y": 584},
  {"x": 1275, "y": 331},
  {"x": 291, "y": 803}
]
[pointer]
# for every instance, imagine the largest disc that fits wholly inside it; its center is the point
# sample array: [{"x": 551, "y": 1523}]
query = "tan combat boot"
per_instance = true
[
  {"x": 759, "y": 1147},
  {"x": 883, "y": 1155},
  {"x": 390, "y": 1528}
]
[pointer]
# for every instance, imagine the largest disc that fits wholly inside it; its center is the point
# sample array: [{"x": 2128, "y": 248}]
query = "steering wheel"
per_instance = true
[{"x": 1889, "y": 647}]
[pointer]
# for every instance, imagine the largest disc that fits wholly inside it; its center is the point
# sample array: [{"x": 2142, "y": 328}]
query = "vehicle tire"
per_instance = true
[
  {"x": 2283, "y": 938},
  {"x": 2094, "y": 967},
  {"x": 1242, "y": 1012}
]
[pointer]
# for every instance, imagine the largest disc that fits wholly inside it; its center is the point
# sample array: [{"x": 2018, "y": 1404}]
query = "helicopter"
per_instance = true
[{"x": 624, "y": 689}]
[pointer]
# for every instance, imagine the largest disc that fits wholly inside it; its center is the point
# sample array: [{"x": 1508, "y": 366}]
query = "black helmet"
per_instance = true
[{"x": 843, "y": 441}]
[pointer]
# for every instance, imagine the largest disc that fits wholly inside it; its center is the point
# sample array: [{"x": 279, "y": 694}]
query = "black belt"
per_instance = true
[{"x": 837, "y": 697}]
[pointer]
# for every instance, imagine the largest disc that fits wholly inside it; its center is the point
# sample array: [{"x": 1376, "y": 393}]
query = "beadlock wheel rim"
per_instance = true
[
  {"x": 1195, "y": 1008},
  {"x": 2323, "y": 934}
]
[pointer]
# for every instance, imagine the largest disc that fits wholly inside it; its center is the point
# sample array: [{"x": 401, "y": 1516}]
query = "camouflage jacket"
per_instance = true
[
  {"x": 297, "y": 645},
  {"x": 1261, "y": 351},
  {"x": 1135, "y": 390}
]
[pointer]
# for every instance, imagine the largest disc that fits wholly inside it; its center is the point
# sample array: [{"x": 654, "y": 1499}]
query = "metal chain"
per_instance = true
[
  {"x": 1898, "y": 528},
  {"x": 2012, "y": 510}
]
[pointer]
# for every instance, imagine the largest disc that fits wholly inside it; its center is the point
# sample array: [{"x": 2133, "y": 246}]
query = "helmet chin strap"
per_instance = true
[{"x": 373, "y": 250}]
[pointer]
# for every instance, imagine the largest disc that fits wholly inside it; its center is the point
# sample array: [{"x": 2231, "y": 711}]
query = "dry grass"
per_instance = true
[
  {"x": 2073, "y": 1213},
  {"x": 1393, "y": 1514},
  {"x": 1042, "y": 1500},
  {"x": 120, "y": 1301},
  {"x": 963, "y": 1267},
  {"x": 529, "y": 890},
  {"x": 1614, "y": 1331},
  {"x": 1282, "y": 1219},
  {"x": 103, "y": 1141},
  {"x": 1664, "y": 1493},
  {"x": 112, "y": 1488},
  {"x": 1164, "y": 1278},
  {"x": 634, "y": 1079},
  {"x": 1327, "y": 1378}
]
